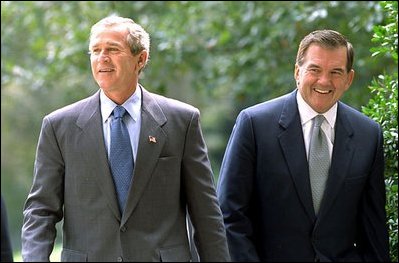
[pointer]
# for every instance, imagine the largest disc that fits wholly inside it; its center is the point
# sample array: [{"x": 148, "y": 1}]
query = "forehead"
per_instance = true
[
  {"x": 317, "y": 54},
  {"x": 112, "y": 35}
]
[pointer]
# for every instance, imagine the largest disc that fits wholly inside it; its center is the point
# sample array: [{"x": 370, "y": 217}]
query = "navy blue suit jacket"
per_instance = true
[{"x": 265, "y": 195}]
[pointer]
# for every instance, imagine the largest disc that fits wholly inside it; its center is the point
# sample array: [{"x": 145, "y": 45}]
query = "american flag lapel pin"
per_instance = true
[{"x": 152, "y": 139}]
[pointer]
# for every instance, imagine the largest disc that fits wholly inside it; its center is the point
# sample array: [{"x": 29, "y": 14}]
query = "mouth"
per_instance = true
[
  {"x": 322, "y": 91},
  {"x": 106, "y": 70}
]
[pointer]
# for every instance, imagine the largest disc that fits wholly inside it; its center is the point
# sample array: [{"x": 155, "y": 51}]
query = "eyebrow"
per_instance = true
[
  {"x": 109, "y": 43},
  {"x": 313, "y": 66},
  {"x": 317, "y": 66}
]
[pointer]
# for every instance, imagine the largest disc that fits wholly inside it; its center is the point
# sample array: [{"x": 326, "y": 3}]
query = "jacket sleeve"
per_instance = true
[
  {"x": 203, "y": 207},
  {"x": 235, "y": 190},
  {"x": 43, "y": 207},
  {"x": 374, "y": 240}
]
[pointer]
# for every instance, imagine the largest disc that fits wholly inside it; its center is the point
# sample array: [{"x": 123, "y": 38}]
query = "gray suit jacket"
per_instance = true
[{"x": 73, "y": 182}]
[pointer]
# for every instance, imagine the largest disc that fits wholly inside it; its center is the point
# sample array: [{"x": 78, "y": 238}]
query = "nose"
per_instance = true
[
  {"x": 324, "y": 79},
  {"x": 100, "y": 56},
  {"x": 103, "y": 57}
]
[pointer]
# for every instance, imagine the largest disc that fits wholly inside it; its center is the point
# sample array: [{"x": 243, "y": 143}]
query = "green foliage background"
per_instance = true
[
  {"x": 220, "y": 56},
  {"x": 383, "y": 107}
]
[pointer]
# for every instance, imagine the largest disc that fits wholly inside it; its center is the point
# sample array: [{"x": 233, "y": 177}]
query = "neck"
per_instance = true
[{"x": 119, "y": 97}]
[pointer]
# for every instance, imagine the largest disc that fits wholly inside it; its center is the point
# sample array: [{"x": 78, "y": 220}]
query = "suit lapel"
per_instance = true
[
  {"x": 293, "y": 148},
  {"x": 341, "y": 159},
  {"x": 152, "y": 139},
  {"x": 92, "y": 140}
]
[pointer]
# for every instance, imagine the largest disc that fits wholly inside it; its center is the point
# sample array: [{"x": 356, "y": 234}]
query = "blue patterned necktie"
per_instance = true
[
  {"x": 319, "y": 162},
  {"x": 121, "y": 156}
]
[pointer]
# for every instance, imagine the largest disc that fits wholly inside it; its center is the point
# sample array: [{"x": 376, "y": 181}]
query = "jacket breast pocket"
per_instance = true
[
  {"x": 355, "y": 181},
  {"x": 167, "y": 166}
]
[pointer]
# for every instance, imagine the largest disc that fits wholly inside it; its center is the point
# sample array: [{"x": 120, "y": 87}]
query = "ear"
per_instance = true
[
  {"x": 143, "y": 57},
  {"x": 296, "y": 73},
  {"x": 351, "y": 76}
]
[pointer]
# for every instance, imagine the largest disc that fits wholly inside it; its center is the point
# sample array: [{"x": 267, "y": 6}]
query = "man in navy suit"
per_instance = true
[
  {"x": 6, "y": 248},
  {"x": 264, "y": 187}
]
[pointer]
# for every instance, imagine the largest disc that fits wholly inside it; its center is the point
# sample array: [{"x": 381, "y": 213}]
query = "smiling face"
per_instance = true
[
  {"x": 322, "y": 78},
  {"x": 113, "y": 66}
]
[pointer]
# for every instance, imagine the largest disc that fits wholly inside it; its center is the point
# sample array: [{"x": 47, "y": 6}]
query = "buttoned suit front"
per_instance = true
[{"x": 73, "y": 182}]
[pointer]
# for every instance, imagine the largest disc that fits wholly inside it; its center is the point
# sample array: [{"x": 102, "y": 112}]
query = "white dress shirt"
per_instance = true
[
  {"x": 131, "y": 120},
  {"x": 307, "y": 114}
]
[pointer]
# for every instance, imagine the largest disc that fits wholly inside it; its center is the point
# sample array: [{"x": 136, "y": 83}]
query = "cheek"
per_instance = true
[
  {"x": 307, "y": 80},
  {"x": 93, "y": 65},
  {"x": 306, "y": 76}
]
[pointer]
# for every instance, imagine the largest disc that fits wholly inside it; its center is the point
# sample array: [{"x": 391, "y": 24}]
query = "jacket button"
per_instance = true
[
  {"x": 119, "y": 259},
  {"x": 123, "y": 229}
]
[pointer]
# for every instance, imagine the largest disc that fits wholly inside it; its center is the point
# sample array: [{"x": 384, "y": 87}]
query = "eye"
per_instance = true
[
  {"x": 313, "y": 70},
  {"x": 113, "y": 50},
  {"x": 95, "y": 51},
  {"x": 336, "y": 72}
]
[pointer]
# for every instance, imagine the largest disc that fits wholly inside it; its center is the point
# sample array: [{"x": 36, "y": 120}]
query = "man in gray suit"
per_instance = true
[{"x": 73, "y": 179}]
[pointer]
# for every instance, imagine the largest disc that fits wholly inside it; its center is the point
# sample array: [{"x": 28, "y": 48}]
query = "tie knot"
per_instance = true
[
  {"x": 119, "y": 111},
  {"x": 318, "y": 120}
]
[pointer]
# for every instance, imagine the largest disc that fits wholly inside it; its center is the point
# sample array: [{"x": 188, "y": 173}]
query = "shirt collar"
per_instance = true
[
  {"x": 307, "y": 113},
  {"x": 132, "y": 105}
]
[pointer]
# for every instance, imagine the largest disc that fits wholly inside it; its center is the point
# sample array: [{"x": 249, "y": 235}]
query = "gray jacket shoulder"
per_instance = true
[{"x": 72, "y": 111}]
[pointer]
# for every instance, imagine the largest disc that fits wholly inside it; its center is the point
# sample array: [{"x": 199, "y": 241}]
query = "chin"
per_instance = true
[
  {"x": 104, "y": 86},
  {"x": 322, "y": 110}
]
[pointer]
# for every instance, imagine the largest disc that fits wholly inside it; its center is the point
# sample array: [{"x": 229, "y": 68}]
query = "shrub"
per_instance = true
[{"x": 383, "y": 107}]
